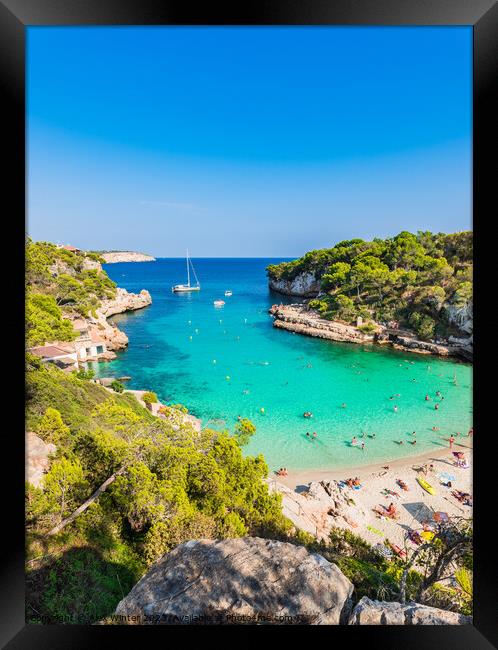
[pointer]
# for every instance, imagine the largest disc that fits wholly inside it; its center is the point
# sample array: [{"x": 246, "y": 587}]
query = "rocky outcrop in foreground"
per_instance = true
[
  {"x": 374, "y": 612},
  {"x": 250, "y": 580},
  {"x": 300, "y": 319},
  {"x": 126, "y": 256},
  {"x": 243, "y": 580}
]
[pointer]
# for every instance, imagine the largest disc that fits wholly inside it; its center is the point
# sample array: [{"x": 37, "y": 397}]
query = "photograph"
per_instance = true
[{"x": 249, "y": 325}]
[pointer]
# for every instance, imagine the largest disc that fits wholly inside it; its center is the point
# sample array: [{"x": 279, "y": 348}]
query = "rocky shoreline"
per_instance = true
[
  {"x": 298, "y": 318},
  {"x": 111, "y": 335}
]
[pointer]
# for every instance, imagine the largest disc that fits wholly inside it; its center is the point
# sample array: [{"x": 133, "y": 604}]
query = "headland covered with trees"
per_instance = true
[{"x": 419, "y": 281}]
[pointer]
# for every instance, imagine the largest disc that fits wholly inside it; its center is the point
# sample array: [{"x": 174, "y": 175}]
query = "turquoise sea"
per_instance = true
[{"x": 230, "y": 361}]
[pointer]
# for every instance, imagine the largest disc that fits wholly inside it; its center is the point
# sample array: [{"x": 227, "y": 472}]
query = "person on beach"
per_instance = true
[
  {"x": 414, "y": 433},
  {"x": 452, "y": 440},
  {"x": 343, "y": 405},
  {"x": 470, "y": 433},
  {"x": 354, "y": 442},
  {"x": 400, "y": 442},
  {"x": 427, "y": 398},
  {"x": 413, "y": 442},
  {"x": 436, "y": 407},
  {"x": 362, "y": 446},
  {"x": 435, "y": 428},
  {"x": 314, "y": 434},
  {"x": 395, "y": 408},
  {"x": 307, "y": 434}
]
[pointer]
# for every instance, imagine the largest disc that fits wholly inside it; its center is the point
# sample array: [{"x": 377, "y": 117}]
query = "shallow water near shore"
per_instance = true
[{"x": 230, "y": 361}]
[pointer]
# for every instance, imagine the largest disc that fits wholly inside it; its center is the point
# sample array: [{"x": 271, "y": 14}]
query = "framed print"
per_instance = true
[{"x": 245, "y": 289}]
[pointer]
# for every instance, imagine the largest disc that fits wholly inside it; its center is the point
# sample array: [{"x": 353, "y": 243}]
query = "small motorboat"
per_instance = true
[
  {"x": 218, "y": 303},
  {"x": 228, "y": 292}
]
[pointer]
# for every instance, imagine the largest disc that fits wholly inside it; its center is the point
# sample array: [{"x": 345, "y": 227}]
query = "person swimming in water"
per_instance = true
[
  {"x": 395, "y": 408},
  {"x": 354, "y": 442}
]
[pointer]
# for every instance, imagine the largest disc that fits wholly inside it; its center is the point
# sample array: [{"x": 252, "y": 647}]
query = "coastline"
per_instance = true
[
  {"x": 304, "y": 476},
  {"x": 297, "y": 318}
]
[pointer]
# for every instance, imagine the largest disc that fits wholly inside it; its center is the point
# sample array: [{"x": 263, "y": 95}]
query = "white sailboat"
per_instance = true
[{"x": 183, "y": 288}]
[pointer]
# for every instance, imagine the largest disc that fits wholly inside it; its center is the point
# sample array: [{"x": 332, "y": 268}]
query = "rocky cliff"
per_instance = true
[
  {"x": 304, "y": 285},
  {"x": 126, "y": 256},
  {"x": 242, "y": 580},
  {"x": 250, "y": 580},
  {"x": 124, "y": 301}
]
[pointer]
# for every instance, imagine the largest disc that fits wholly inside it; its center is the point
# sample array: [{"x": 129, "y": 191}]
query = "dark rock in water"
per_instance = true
[
  {"x": 124, "y": 378},
  {"x": 242, "y": 580}
]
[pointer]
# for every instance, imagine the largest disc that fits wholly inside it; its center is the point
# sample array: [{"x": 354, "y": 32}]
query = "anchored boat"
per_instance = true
[{"x": 184, "y": 288}]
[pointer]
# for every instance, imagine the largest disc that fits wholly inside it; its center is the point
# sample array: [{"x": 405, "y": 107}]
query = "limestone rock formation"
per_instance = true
[
  {"x": 124, "y": 301},
  {"x": 461, "y": 317},
  {"x": 373, "y": 612},
  {"x": 37, "y": 458},
  {"x": 319, "y": 508},
  {"x": 242, "y": 580},
  {"x": 299, "y": 319},
  {"x": 304, "y": 285}
]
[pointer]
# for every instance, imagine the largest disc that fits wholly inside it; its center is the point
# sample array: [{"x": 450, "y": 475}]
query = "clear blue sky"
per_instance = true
[{"x": 246, "y": 141}]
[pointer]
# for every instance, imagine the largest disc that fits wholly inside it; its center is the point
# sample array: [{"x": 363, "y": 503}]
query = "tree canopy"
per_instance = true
[{"x": 411, "y": 278}]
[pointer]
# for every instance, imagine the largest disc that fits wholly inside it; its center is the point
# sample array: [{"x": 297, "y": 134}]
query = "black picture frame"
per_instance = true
[{"x": 15, "y": 16}]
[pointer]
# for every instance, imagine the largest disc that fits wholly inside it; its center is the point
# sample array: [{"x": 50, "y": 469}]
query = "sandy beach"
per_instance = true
[{"x": 308, "y": 505}]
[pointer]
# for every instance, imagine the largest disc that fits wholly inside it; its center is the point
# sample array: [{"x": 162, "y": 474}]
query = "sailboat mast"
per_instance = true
[{"x": 188, "y": 272}]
